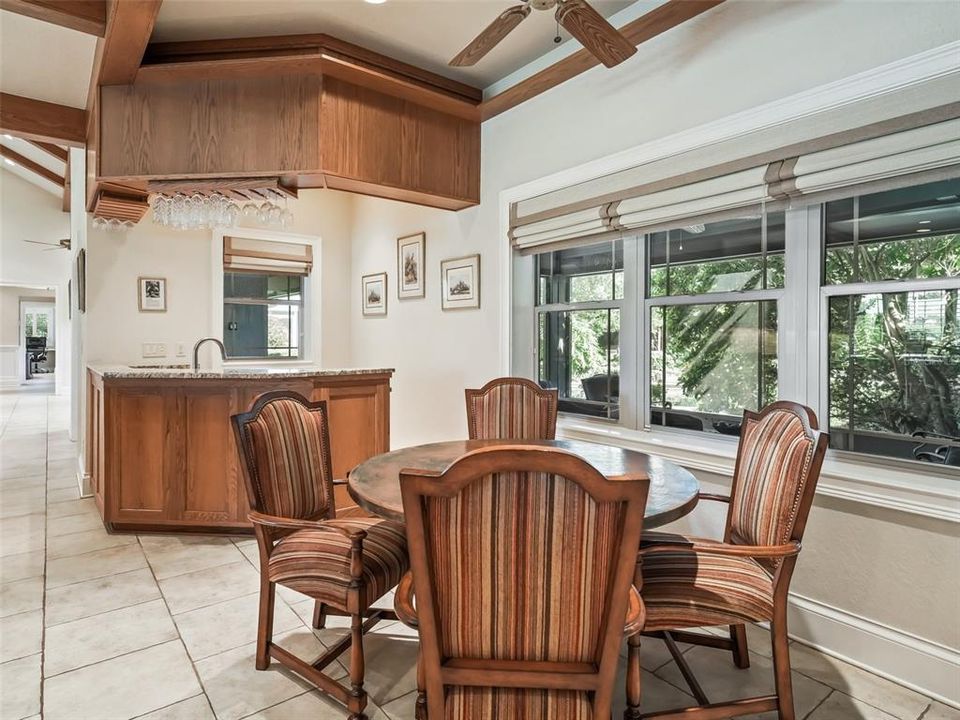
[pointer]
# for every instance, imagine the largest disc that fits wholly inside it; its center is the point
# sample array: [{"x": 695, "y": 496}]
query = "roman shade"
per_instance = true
[
  {"x": 712, "y": 183},
  {"x": 266, "y": 256}
]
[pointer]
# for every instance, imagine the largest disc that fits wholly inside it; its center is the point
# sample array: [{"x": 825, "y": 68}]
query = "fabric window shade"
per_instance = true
[
  {"x": 266, "y": 256},
  {"x": 586, "y": 224}
]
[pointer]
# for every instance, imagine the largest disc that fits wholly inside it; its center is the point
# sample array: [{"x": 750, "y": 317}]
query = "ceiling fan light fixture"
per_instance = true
[{"x": 375, "y": 2}]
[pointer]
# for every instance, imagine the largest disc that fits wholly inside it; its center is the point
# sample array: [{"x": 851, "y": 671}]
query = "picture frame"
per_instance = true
[
  {"x": 460, "y": 283},
  {"x": 152, "y": 294},
  {"x": 70, "y": 299},
  {"x": 373, "y": 289},
  {"x": 82, "y": 280},
  {"x": 411, "y": 261}
]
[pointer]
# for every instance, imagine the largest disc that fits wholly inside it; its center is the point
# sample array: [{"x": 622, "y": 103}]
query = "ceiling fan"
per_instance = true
[
  {"x": 59, "y": 245},
  {"x": 599, "y": 37}
]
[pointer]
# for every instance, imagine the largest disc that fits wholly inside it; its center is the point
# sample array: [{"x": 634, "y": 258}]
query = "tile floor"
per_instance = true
[{"x": 96, "y": 626}]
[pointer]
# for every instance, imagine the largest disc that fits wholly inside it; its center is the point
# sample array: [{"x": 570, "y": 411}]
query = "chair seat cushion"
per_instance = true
[
  {"x": 470, "y": 703},
  {"x": 685, "y": 589},
  {"x": 317, "y": 562}
]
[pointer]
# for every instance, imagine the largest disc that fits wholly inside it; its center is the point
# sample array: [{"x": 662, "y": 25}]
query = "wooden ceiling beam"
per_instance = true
[
  {"x": 87, "y": 16},
  {"x": 655, "y": 22},
  {"x": 52, "y": 150},
  {"x": 28, "y": 164},
  {"x": 42, "y": 121},
  {"x": 129, "y": 26}
]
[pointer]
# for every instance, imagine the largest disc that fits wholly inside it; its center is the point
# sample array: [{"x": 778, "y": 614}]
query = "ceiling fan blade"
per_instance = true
[
  {"x": 599, "y": 37},
  {"x": 491, "y": 35},
  {"x": 40, "y": 242}
]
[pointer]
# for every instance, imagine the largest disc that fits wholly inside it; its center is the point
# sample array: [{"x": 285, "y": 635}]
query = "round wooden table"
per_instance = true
[{"x": 375, "y": 484}]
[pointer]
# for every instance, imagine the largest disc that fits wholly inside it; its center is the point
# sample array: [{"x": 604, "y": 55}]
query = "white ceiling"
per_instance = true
[
  {"x": 44, "y": 61},
  {"x": 38, "y": 156},
  {"x": 426, "y": 33}
]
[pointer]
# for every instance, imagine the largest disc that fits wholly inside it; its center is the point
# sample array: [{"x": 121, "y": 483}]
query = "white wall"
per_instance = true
[
  {"x": 29, "y": 213},
  {"x": 885, "y": 571},
  {"x": 116, "y": 329}
]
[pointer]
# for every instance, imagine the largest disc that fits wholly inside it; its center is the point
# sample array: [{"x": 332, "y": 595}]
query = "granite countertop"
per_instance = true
[{"x": 112, "y": 371}]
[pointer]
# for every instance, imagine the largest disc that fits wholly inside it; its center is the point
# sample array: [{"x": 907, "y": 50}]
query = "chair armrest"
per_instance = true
[
  {"x": 636, "y": 614},
  {"x": 714, "y": 497},
  {"x": 403, "y": 601},
  {"x": 752, "y": 551},
  {"x": 353, "y": 511},
  {"x": 339, "y": 481},
  {"x": 274, "y": 522}
]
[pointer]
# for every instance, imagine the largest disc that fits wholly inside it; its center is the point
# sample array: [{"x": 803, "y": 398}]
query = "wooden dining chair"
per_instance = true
[
  {"x": 511, "y": 408},
  {"x": 346, "y": 564},
  {"x": 689, "y": 582},
  {"x": 522, "y": 559}
]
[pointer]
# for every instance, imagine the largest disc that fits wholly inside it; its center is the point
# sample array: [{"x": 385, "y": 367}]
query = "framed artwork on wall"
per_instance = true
[
  {"x": 411, "y": 258},
  {"x": 460, "y": 283},
  {"x": 82, "y": 281},
  {"x": 70, "y": 299},
  {"x": 152, "y": 294},
  {"x": 374, "y": 288}
]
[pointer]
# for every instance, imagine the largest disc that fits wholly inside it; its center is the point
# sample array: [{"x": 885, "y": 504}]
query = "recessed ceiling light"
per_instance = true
[
  {"x": 923, "y": 230},
  {"x": 8, "y": 161},
  {"x": 375, "y": 2},
  {"x": 923, "y": 222}
]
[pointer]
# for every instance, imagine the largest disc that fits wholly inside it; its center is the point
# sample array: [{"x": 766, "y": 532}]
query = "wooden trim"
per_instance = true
[
  {"x": 28, "y": 164},
  {"x": 65, "y": 201},
  {"x": 38, "y": 120},
  {"x": 88, "y": 16},
  {"x": 293, "y": 45},
  {"x": 128, "y": 30},
  {"x": 655, "y": 22},
  {"x": 56, "y": 151}
]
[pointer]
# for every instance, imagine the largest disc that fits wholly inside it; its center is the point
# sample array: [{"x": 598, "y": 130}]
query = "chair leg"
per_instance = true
[
  {"x": 781, "y": 667},
  {"x": 358, "y": 697},
  {"x": 265, "y": 623},
  {"x": 632, "y": 711},
  {"x": 741, "y": 656},
  {"x": 319, "y": 615},
  {"x": 420, "y": 711}
]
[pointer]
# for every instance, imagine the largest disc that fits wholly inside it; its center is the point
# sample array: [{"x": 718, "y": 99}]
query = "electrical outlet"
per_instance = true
[
  {"x": 181, "y": 349},
  {"x": 154, "y": 350}
]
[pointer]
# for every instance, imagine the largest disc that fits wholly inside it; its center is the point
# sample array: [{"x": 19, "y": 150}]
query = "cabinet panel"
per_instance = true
[
  {"x": 212, "y": 481},
  {"x": 142, "y": 438}
]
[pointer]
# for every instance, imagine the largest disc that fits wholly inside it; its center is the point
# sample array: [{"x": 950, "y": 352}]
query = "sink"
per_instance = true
[{"x": 159, "y": 367}]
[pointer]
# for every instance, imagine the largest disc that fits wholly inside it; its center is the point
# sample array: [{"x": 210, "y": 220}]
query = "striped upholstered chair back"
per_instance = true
[
  {"x": 285, "y": 443},
  {"x": 522, "y": 560},
  {"x": 513, "y": 409},
  {"x": 775, "y": 475}
]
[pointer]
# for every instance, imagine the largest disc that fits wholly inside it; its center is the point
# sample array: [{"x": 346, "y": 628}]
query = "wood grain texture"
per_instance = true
[
  {"x": 491, "y": 36},
  {"x": 193, "y": 129},
  {"x": 50, "y": 149},
  {"x": 129, "y": 25},
  {"x": 28, "y": 164},
  {"x": 47, "y": 122},
  {"x": 595, "y": 34},
  {"x": 162, "y": 455},
  {"x": 88, "y": 16},
  {"x": 655, "y": 22}
]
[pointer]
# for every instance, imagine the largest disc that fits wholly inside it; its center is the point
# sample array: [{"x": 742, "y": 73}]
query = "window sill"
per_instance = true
[{"x": 933, "y": 493}]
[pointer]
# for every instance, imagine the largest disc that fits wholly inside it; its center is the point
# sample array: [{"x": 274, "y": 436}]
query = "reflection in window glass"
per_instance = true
[
  {"x": 262, "y": 315},
  {"x": 593, "y": 273},
  {"x": 728, "y": 255},
  {"x": 894, "y": 373},
  {"x": 580, "y": 356},
  {"x": 710, "y": 362},
  {"x": 895, "y": 235}
]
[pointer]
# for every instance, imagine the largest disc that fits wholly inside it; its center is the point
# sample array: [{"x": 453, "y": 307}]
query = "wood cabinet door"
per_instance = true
[{"x": 211, "y": 482}]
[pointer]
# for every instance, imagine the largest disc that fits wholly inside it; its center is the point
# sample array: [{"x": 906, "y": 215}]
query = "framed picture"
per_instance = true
[
  {"x": 152, "y": 294},
  {"x": 410, "y": 262},
  {"x": 69, "y": 299},
  {"x": 374, "y": 289},
  {"x": 82, "y": 281},
  {"x": 460, "y": 283}
]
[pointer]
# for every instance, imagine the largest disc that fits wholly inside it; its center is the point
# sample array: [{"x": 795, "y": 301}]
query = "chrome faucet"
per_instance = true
[{"x": 196, "y": 350}]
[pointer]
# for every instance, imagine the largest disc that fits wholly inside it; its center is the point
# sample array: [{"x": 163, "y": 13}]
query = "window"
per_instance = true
[
  {"x": 893, "y": 346},
  {"x": 36, "y": 323},
  {"x": 262, "y": 315},
  {"x": 579, "y": 298},
  {"x": 712, "y": 355}
]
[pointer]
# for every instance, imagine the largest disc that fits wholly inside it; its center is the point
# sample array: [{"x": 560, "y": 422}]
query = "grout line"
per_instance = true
[
  {"x": 294, "y": 697},
  {"x": 104, "y": 612},
  {"x": 817, "y": 706},
  {"x": 169, "y": 705},
  {"x": 112, "y": 657},
  {"x": 924, "y": 713}
]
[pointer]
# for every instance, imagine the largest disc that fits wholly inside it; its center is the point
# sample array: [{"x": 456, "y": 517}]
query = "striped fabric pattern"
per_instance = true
[
  {"x": 522, "y": 564},
  {"x": 473, "y": 703},
  {"x": 292, "y": 460},
  {"x": 775, "y": 455},
  {"x": 317, "y": 562},
  {"x": 512, "y": 411},
  {"x": 686, "y": 589}
]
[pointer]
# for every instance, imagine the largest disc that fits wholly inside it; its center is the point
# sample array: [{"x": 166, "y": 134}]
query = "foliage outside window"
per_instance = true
[
  {"x": 263, "y": 315},
  {"x": 894, "y": 341},
  {"x": 36, "y": 324},
  {"x": 579, "y": 293},
  {"x": 711, "y": 359}
]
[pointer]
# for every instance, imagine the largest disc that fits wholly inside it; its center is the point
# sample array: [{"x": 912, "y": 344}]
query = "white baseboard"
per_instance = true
[
  {"x": 83, "y": 478},
  {"x": 903, "y": 658}
]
